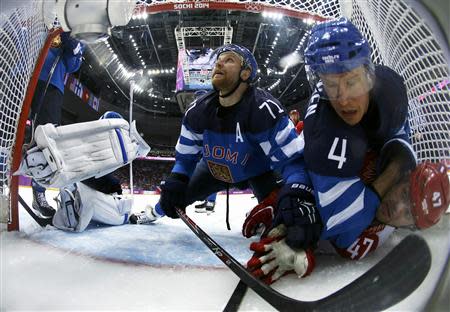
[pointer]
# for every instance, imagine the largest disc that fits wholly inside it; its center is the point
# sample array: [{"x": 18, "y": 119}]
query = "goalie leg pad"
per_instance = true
[
  {"x": 107, "y": 209},
  {"x": 80, "y": 151},
  {"x": 72, "y": 214}
]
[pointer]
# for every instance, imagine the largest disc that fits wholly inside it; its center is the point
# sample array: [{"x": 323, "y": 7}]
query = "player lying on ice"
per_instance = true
[
  {"x": 86, "y": 152},
  {"x": 357, "y": 115}
]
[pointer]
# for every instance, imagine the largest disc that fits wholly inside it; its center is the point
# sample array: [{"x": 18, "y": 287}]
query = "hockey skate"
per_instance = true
[
  {"x": 205, "y": 206},
  {"x": 41, "y": 205},
  {"x": 149, "y": 215}
]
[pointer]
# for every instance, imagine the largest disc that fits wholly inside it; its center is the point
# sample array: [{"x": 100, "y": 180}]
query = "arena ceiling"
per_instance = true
[{"x": 146, "y": 51}]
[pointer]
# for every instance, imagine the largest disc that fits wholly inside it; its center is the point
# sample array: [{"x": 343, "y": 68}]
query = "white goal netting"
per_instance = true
[
  {"x": 400, "y": 38},
  {"x": 22, "y": 36}
]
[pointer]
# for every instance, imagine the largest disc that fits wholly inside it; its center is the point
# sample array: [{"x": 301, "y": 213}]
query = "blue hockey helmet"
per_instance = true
[
  {"x": 335, "y": 47},
  {"x": 249, "y": 60},
  {"x": 111, "y": 114}
]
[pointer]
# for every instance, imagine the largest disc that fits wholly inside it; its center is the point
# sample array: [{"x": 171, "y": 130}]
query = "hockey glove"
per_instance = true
[
  {"x": 173, "y": 194},
  {"x": 297, "y": 210},
  {"x": 71, "y": 45},
  {"x": 259, "y": 219},
  {"x": 273, "y": 258}
]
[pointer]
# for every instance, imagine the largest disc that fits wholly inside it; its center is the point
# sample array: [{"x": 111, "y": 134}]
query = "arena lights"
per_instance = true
[
  {"x": 142, "y": 16},
  {"x": 302, "y": 41},
  {"x": 133, "y": 42},
  {"x": 274, "y": 44},
  {"x": 156, "y": 72},
  {"x": 272, "y": 15},
  {"x": 276, "y": 83}
]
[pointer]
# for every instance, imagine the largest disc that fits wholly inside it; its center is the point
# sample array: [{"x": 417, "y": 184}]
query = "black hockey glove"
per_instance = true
[
  {"x": 71, "y": 45},
  {"x": 173, "y": 194},
  {"x": 297, "y": 210}
]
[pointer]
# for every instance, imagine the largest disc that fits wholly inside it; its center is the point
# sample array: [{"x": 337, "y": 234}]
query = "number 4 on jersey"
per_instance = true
[{"x": 340, "y": 158}]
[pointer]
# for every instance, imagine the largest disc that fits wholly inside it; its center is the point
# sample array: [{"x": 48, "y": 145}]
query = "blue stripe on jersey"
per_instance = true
[
  {"x": 188, "y": 150},
  {"x": 280, "y": 143},
  {"x": 285, "y": 150},
  {"x": 346, "y": 207}
]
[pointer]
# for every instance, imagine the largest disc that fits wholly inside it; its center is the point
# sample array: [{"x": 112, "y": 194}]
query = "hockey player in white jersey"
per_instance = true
[
  {"x": 86, "y": 152},
  {"x": 98, "y": 200}
]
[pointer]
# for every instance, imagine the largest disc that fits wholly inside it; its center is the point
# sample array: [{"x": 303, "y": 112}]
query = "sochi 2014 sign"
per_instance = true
[{"x": 191, "y": 5}]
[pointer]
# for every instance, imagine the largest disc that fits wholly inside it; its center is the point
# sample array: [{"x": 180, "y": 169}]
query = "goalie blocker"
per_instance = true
[{"x": 68, "y": 154}]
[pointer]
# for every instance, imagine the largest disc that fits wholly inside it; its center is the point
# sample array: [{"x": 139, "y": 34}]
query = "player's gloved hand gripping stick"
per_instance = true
[{"x": 297, "y": 210}]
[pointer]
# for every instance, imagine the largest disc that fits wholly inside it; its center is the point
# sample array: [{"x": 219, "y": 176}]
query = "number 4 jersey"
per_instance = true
[{"x": 335, "y": 152}]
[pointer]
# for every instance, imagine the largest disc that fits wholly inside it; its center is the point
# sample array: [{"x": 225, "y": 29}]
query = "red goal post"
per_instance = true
[
  {"x": 403, "y": 37},
  {"x": 24, "y": 44}
]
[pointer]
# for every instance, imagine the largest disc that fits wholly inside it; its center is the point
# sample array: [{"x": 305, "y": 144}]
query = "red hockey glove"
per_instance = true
[
  {"x": 259, "y": 219},
  {"x": 273, "y": 258}
]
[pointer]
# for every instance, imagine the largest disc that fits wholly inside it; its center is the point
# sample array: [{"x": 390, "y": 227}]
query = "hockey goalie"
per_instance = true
[{"x": 78, "y": 159}]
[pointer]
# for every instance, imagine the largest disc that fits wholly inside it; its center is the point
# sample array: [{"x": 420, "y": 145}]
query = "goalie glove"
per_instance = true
[
  {"x": 72, "y": 153},
  {"x": 273, "y": 258}
]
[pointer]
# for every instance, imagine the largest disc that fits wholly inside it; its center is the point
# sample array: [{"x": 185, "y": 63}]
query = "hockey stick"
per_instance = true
[
  {"x": 391, "y": 280},
  {"x": 41, "y": 221},
  {"x": 236, "y": 298}
]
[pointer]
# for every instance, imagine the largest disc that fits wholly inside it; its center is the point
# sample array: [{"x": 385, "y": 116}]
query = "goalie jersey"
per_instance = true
[
  {"x": 335, "y": 153},
  {"x": 241, "y": 141}
]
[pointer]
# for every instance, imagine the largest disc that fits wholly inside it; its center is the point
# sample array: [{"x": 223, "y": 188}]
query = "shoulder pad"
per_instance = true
[
  {"x": 389, "y": 104},
  {"x": 200, "y": 111},
  {"x": 266, "y": 111}
]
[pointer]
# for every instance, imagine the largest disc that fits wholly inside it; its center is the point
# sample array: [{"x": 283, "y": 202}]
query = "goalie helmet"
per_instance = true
[
  {"x": 248, "y": 59},
  {"x": 430, "y": 193},
  {"x": 111, "y": 114}
]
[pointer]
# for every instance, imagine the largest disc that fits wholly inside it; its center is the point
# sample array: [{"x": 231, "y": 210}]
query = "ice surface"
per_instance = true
[{"x": 164, "y": 266}]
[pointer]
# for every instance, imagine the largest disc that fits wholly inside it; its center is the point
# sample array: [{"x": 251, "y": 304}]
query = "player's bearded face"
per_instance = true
[
  {"x": 395, "y": 209},
  {"x": 348, "y": 93},
  {"x": 226, "y": 71}
]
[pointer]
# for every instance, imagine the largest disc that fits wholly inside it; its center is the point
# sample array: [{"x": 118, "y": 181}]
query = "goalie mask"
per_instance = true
[{"x": 429, "y": 193}]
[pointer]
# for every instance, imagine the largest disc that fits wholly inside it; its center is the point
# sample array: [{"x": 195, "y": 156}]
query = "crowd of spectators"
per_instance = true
[
  {"x": 162, "y": 152},
  {"x": 147, "y": 174}
]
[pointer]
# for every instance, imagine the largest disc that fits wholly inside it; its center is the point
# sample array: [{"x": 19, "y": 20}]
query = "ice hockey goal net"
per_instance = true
[
  {"x": 23, "y": 47},
  {"x": 402, "y": 37}
]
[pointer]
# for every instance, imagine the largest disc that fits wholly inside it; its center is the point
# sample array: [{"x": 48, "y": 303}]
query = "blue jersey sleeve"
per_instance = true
[
  {"x": 72, "y": 52},
  {"x": 346, "y": 205},
  {"x": 284, "y": 148},
  {"x": 188, "y": 149}
]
